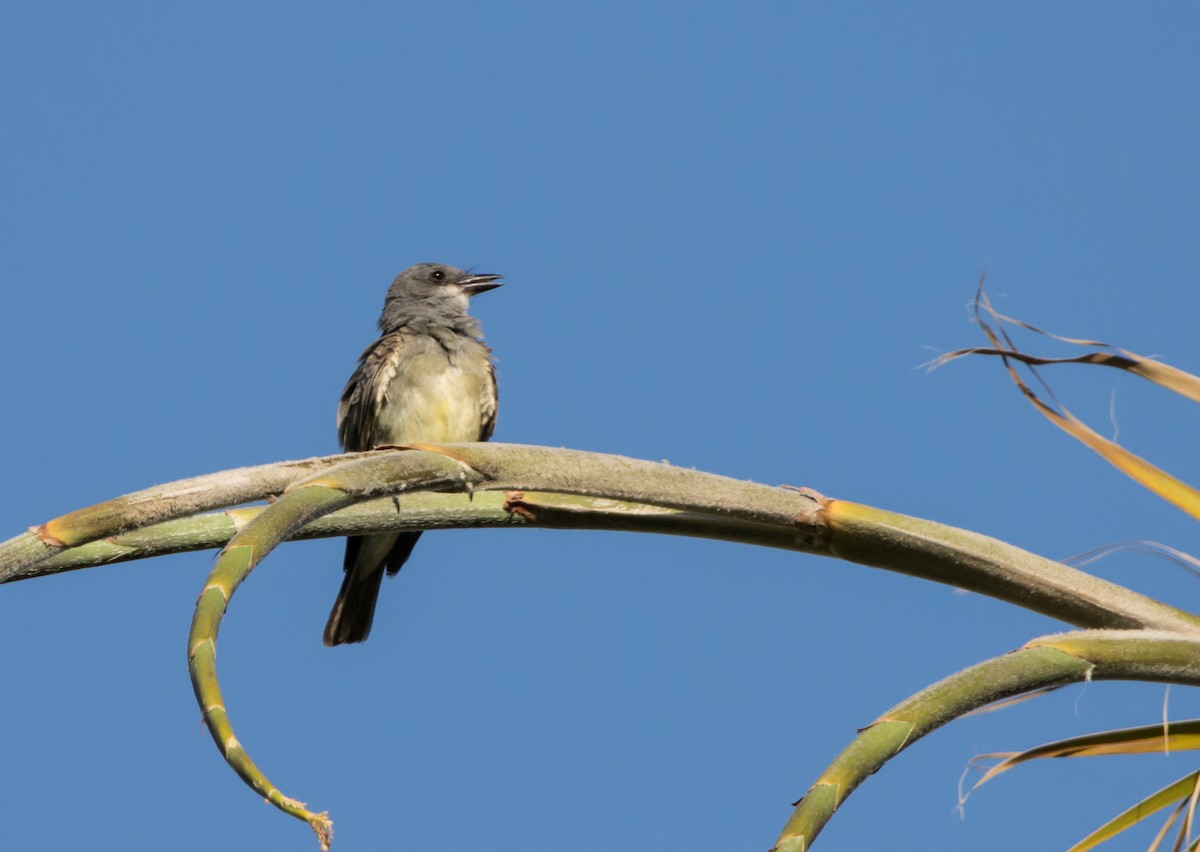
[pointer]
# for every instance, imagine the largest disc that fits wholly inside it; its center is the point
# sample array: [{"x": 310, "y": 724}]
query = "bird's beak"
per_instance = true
[{"x": 473, "y": 285}]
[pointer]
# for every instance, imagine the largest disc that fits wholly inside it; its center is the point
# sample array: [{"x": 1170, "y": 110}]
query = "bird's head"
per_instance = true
[{"x": 433, "y": 289}]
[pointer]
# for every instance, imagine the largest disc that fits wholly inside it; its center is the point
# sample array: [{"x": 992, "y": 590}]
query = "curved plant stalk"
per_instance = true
[
  {"x": 314, "y": 497},
  {"x": 1050, "y": 661},
  {"x": 422, "y": 511},
  {"x": 981, "y": 564},
  {"x": 232, "y": 566},
  {"x": 162, "y": 502},
  {"x": 170, "y": 501},
  {"x": 235, "y": 561},
  {"x": 512, "y": 467},
  {"x": 556, "y": 487},
  {"x": 705, "y": 505}
]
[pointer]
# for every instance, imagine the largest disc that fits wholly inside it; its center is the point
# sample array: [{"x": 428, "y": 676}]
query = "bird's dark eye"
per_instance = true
[{"x": 438, "y": 275}]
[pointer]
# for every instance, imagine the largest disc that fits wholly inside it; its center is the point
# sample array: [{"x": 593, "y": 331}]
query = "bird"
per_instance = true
[{"x": 430, "y": 377}]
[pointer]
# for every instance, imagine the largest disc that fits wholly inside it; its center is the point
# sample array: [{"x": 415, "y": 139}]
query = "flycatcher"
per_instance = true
[{"x": 429, "y": 377}]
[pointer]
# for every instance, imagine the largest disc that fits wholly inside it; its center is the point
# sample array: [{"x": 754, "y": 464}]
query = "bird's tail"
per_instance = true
[{"x": 366, "y": 557}]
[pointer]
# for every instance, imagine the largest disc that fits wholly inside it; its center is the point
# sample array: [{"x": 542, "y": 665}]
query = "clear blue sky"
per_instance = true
[{"x": 732, "y": 234}]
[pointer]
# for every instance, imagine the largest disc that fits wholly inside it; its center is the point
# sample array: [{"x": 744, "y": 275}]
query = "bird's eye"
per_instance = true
[{"x": 438, "y": 275}]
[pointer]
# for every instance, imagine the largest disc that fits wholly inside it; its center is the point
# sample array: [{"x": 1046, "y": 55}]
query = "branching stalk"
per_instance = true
[{"x": 510, "y": 485}]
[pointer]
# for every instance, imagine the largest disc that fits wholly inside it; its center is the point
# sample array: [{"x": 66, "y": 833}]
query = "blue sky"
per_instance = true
[{"x": 732, "y": 236}]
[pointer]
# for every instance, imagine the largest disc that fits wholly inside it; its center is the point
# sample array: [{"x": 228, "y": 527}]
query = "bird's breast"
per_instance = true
[{"x": 432, "y": 397}]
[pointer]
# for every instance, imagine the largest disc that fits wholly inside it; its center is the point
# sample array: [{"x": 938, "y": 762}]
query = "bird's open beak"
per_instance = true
[{"x": 473, "y": 285}]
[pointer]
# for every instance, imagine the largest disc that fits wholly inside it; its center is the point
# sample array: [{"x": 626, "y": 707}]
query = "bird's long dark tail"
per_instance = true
[{"x": 354, "y": 609}]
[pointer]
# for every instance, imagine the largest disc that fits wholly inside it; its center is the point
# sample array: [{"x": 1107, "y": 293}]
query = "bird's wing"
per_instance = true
[
  {"x": 488, "y": 426},
  {"x": 364, "y": 393}
]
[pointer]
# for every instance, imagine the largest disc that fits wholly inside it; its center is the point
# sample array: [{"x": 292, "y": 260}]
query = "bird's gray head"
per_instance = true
[{"x": 433, "y": 292}]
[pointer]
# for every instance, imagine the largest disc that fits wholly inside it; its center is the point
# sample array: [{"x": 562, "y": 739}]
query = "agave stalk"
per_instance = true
[
  {"x": 1047, "y": 662},
  {"x": 335, "y": 488},
  {"x": 592, "y": 490},
  {"x": 520, "y": 485},
  {"x": 312, "y": 498}
]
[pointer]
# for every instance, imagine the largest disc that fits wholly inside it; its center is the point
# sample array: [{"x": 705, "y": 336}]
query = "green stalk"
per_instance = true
[
  {"x": 175, "y": 499},
  {"x": 718, "y": 506},
  {"x": 234, "y": 564},
  {"x": 991, "y": 567},
  {"x": 562, "y": 470},
  {"x": 316, "y": 496},
  {"x": 1046, "y": 662},
  {"x": 421, "y": 511},
  {"x": 571, "y": 489}
]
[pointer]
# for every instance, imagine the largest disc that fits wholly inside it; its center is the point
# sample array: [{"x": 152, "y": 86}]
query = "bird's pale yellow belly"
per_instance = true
[{"x": 433, "y": 400}]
